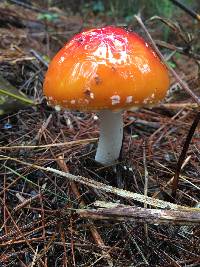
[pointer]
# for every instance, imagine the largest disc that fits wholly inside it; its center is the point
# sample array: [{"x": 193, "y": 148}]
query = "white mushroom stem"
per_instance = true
[{"x": 110, "y": 139}]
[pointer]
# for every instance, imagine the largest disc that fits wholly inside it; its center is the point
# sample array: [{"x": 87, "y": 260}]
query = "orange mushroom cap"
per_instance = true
[{"x": 105, "y": 68}]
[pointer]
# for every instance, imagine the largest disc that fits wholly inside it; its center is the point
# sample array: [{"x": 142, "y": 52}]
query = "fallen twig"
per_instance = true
[
  {"x": 179, "y": 105},
  {"x": 144, "y": 215},
  {"x": 107, "y": 188}
]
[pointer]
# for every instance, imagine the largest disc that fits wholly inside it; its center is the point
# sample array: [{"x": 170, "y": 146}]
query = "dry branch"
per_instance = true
[
  {"x": 107, "y": 188},
  {"x": 144, "y": 215}
]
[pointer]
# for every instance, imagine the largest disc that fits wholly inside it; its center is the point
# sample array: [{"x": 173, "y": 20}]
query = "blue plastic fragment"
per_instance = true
[{"x": 7, "y": 126}]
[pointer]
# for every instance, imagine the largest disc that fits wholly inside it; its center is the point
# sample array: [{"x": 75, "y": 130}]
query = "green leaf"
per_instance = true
[{"x": 48, "y": 16}]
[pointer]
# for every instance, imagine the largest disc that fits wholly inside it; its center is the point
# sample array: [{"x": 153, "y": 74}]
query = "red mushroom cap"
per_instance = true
[{"x": 105, "y": 68}]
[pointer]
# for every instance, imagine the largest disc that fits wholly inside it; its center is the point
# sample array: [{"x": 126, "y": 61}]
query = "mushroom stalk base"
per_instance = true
[{"x": 111, "y": 135}]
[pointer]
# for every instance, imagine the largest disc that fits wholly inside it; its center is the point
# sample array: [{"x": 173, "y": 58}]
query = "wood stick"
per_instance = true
[
  {"x": 144, "y": 215},
  {"x": 106, "y": 188}
]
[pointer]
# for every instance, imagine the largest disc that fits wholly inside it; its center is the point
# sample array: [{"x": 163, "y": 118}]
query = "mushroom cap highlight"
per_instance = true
[{"x": 105, "y": 68}]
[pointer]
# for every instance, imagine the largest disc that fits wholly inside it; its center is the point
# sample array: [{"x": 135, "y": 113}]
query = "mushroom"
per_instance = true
[{"x": 107, "y": 70}]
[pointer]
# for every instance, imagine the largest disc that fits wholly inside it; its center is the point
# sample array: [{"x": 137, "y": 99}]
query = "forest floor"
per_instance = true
[{"x": 58, "y": 206}]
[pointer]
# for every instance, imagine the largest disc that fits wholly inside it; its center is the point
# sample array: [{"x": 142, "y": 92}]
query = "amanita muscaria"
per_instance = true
[{"x": 107, "y": 70}]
